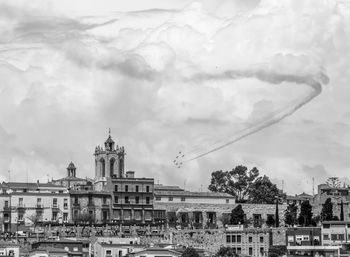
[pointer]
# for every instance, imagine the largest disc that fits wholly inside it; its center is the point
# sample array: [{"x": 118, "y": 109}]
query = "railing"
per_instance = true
[{"x": 21, "y": 205}]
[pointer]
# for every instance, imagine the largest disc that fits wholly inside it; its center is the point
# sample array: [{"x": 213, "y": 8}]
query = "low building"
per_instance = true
[
  {"x": 157, "y": 252},
  {"x": 108, "y": 249},
  {"x": 72, "y": 247},
  {"x": 335, "y": 232},
  {"x": 303, "y": 236},
  {"x": 249, "y": 241},
  {"x": 9, "y": 249},
  {"x": 298, "y": 199},
  {"x": 49, "y": 252},
  {"x": 28, "y": 203},
  {"x": 313, "y": 250}
]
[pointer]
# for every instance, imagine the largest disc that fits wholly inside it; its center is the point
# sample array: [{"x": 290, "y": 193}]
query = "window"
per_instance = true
[
  {"x": 65, "y": 217},
  {"x": 239, "y": 238},
  {"x": 138, "y": 214},
  {"x": 104, "y": 200},
  {"x": 306, "y": 238},
  {"x": 38, "y": 202},
  {"x": 65, "y": 203},
  {"x": 115, "y": 199},
  {"x": 126, "y": 188},
  {"x": 54, "y": 216},
  {"x": 290, "y": 238},
  {"x": 20, "y": 217},
  {"x": 334, "y": 236},
  {"x": 137, "y": 200},
  {"x": 108, "y": 252},
  {"x": 6, "y": 204},
  {"x": 120, "y": 253},
  {"x": 54, "y": 202},
  {"x": 233, "y": 238},
  {"x": 341, "y": 237},
  {"x": 116, "y": 188},
  {"x": 183, "y": 199},
  {"x": 228, "y": 239},
  {"x": 250, "y": 251},
  {"x": 76, "y": 201},
  {"x": 326, "y": 225},
  {"x": 147, "y": 200},
  {"x": 262, "y": 250},
  {"x": 239, "y": 250},
  {"x": 250, "y": 239},
  {"x": 158, "y": 198},
  {"x": 137, "y": 188},
  {"x": 126, "y": 199},
  {"x": 227, "y": 200},
  {"x": 170, "y": 198},
  {"x": 147, "y": 189},
  {"x": 20, "y": 202},
  {"x": 326, "y": 237},
  {"x": 75, "y": 214},
  {"x": 261, "y": 239}
]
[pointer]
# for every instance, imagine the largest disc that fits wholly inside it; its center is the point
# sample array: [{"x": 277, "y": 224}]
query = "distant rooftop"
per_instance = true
[{"x": 29, "y": 185}]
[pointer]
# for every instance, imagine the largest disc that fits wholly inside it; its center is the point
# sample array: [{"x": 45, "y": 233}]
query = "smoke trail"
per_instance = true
[{"x": 274, "y": 78}]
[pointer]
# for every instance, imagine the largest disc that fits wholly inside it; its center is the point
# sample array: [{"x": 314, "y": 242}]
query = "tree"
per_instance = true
[
  {"x": 270, "y": 221},
  {"x": 225, "y": 218},
  {"x": 277, "y": 250},
  {"x": 237, "y": 215},
  {"x": 190, "y": 252},
  {"x": 327, "y": 210},
  {"x": 290, "y": 215},
  {"x": 341, "y": 210},
  {"x": 84, "y": 219},
  {"x": 236, "y": 182},
  {"x": 305, "y": 215},
  {"x": 36, "y": 218},
  {"x": 263, "y": 191},
  {"x": 333, "y": 182},
  {"x": 226, "y": 252},
  {"x": 277, "y": 221}
]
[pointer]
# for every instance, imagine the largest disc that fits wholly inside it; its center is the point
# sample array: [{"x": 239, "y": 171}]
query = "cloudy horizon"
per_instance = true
[{"x": 165, "y": 76}]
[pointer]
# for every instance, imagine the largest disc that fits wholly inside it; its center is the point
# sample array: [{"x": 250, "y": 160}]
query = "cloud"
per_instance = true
[{"x": 165, "y": 79}]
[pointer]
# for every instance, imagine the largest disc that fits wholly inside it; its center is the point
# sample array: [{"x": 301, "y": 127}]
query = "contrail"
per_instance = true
[{"x": 274, "y": 78}]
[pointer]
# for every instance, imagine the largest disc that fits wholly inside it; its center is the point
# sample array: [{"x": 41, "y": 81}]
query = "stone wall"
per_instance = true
[{"x": 249, "y": 209}]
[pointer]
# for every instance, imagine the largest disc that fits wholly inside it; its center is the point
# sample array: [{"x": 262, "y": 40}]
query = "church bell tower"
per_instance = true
[{"x": 109, "y": 160}]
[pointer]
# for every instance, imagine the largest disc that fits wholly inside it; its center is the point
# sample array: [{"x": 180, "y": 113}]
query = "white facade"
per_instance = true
[
  {"x": 35, "y": 201},
  {"x": 9, "y": 250}
]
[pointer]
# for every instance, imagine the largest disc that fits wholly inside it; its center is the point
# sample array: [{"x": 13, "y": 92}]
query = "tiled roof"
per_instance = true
[
  {"x": 167, "y": 188},
  {"x": 191, "y": 194},
  {"x": 71, "y": 178},
  {"x": 27, "y": 185}
]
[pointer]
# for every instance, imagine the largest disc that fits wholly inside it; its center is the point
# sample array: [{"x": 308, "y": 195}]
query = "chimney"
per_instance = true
[{"x": 130, "y": 174}]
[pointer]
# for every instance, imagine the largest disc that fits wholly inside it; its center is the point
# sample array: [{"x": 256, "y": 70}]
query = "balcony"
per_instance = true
[
  {"x": 55, "y": 207},
  {"x": 105, "y": 206},
  {"x": 21, "y": 206},
  {"x": 7, "y": 208},
  {"x": 39, "y": 206},
  {"x": 76, "y": 205},
  {"x": 91, "y": 205}
]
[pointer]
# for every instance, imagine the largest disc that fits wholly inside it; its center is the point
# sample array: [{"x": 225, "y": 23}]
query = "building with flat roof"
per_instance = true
[
  {"x": 249, "y": 241},
  {"x": 28, "y": 203},
  {"x": 9, "y": 249}
]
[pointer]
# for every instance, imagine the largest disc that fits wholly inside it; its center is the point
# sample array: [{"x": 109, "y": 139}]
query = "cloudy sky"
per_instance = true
[{"x": 169, "y": 76}]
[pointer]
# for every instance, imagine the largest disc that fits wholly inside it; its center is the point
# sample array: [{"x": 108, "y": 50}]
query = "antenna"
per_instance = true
[
  {"x": 313, "y": 186},
  {"x": 9, "y": 175}
]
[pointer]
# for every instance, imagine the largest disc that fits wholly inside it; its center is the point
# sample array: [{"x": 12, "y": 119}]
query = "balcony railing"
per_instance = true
[
  {"x": 55, "y": 206},
  {"x": 39, "y": 206},
  {"x": 21, "y": 205}
]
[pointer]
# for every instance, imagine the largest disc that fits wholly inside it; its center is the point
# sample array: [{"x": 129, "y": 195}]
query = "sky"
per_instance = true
[{"x": 271, "y": 76}]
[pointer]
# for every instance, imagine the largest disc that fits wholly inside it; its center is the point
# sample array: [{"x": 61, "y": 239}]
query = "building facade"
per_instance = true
[
  {"x": 252, "y": 242},
  {"x": 25, "y": 204}
]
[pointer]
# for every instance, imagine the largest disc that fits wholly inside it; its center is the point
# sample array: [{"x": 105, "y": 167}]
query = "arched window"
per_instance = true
[
  {"x": 103, "y": 167},
  {"x": 111, "y": 167},
  {"x": 121, "y": 167}
]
